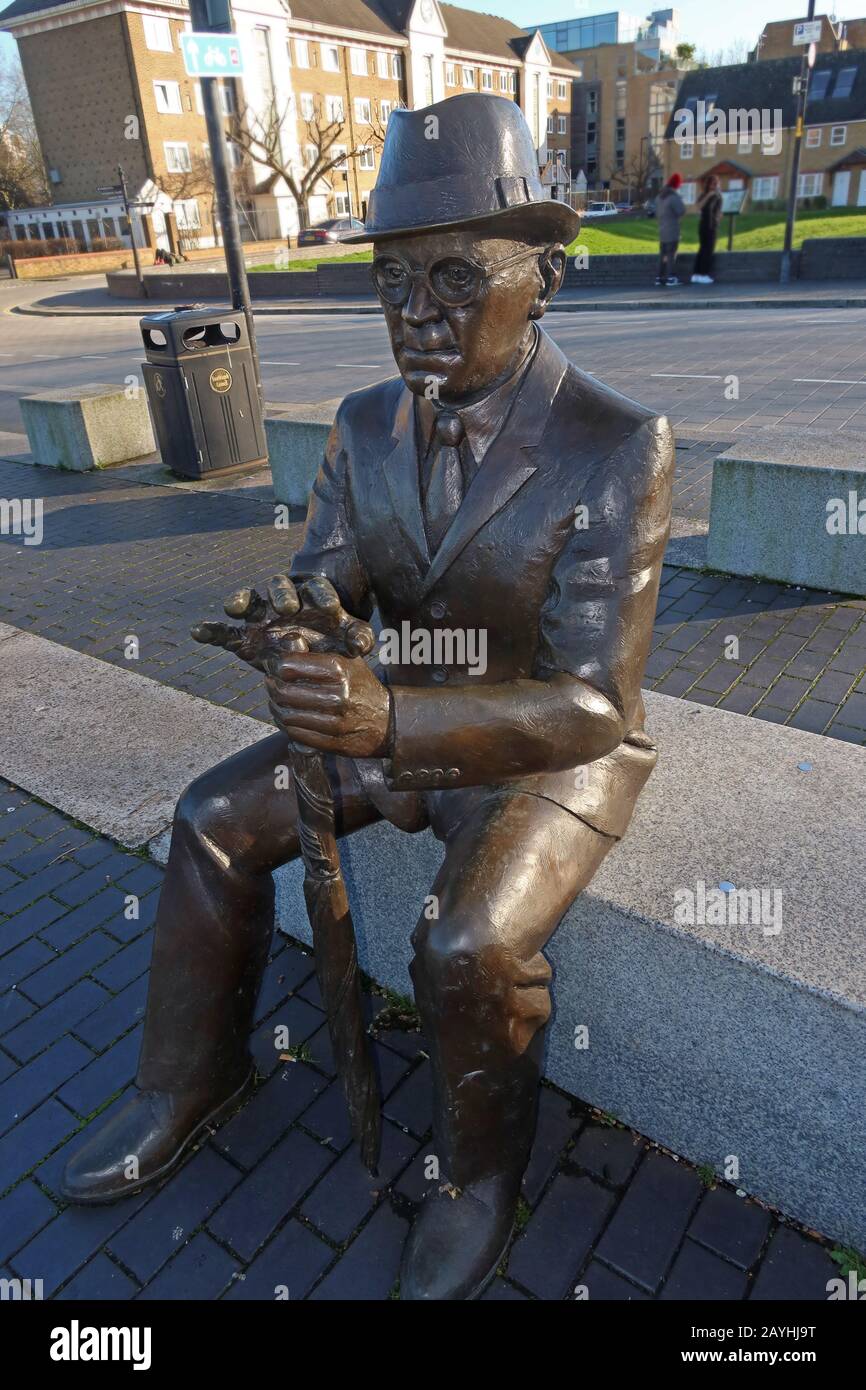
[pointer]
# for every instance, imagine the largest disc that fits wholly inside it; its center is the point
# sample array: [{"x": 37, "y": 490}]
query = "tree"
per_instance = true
[
  {"x": 22, "y": 170},
  {"x": 197, "y": 182},
  {"x": 725, "y": 57},
  {"x": 260, "y": 135},
  {"x": 685, "y": 53}
]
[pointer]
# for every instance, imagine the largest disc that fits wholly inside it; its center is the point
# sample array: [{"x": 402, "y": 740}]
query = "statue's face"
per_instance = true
[{"x": 459, "y": 327}]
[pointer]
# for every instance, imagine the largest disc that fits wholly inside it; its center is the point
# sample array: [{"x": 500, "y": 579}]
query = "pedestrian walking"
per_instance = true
[
  {"x": 670, "y": 210},
  {"x": 709, "y": 206}
]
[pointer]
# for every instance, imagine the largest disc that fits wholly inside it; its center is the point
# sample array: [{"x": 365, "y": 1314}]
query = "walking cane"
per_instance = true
[{"x": 320, "y": 625}]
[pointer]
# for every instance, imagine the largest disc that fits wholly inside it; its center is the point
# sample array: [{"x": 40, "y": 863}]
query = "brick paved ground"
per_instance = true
[
  {"x": 277, "y": 1197},
  {"x": 120, "y": 559}
]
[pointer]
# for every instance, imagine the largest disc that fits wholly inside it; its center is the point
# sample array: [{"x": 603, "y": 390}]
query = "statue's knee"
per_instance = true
[
  {"x": 447, "y": 952},
  {"x": 201, "y": 815}
]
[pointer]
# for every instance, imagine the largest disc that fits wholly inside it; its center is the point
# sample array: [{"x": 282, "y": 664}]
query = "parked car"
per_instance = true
[
  {"x": 649, "y": 207},
  {"x": 600, "y": 210},
  {"x": 335, "y": 229}
]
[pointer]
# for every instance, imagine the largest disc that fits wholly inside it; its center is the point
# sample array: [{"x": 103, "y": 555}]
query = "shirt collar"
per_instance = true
[{"x": 482, "y": 419}]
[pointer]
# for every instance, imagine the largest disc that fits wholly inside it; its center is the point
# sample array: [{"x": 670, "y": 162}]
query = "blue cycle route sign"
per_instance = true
[{"x": 212, "y": 55}]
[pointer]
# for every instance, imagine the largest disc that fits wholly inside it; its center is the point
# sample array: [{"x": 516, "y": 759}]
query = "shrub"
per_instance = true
[{"x": 35, "y": 246}]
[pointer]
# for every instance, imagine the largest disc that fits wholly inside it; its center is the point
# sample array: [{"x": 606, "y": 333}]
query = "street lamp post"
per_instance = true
[{"x": 802, "y": 91}]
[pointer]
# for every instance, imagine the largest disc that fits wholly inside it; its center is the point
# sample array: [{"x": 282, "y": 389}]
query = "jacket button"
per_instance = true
[
  {"x": 438, "y": 610},
  {"x": 453, "y": 773},
  {"x": 405, "y": 777},
  {"x": 438, "y": 773},
  {"x": 423, "y": 773},
  {"x": 439, "y": 674}
]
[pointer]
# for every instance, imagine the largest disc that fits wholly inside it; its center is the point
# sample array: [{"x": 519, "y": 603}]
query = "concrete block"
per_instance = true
[
  {"x": 717, "y": 1040},
  {"x": 90, "y": 426},
  {"x": 791, "y": 506},
  {"x": 297, "y": 435}
]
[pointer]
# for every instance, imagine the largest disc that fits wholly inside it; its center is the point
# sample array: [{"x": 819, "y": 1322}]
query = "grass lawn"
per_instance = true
[
  {"x": 313, "y": 262},
  {"x": 753, "y": 231}
]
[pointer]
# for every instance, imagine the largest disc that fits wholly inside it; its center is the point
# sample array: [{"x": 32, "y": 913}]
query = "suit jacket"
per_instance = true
[{"x": 556, "y": 551}]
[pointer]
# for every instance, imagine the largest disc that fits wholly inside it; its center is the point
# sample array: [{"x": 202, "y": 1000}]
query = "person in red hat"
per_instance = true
[{"x": 670, "y": 210}]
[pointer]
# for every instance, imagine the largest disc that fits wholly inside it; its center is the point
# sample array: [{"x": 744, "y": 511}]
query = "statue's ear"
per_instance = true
[{"x": 551, "y": 265}]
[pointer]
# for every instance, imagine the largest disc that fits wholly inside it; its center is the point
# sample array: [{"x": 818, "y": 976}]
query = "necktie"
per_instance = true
[{"x": 445, "y": 479}]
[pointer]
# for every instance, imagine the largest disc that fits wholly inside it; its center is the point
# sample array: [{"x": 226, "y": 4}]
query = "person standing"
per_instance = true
[
  {"x": 670, "y": 210},
  {"x": 710, "y": 208}
]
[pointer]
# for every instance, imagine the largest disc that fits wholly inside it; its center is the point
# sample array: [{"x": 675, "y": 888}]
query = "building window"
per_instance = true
[
  {"x": 342, "y": 205},
  {"x": 562, "y": 90},
  {"x": 560, "y": 124},
  {"x": 385, "y": 109},
  {"x": 592, "y": 104},
  {"x": 187, "y": 214},
  {"x": 308, "y": 106},
  {"x": 450, "y": 76},
  {"x": 549, "y": 88},
  {"x": 363, "y": 111},
  {"x": 819, "y": 85},
  {"x": 311, "y": 154},
  {"x": 765, "y": 189},
  {"x": 396, "y": 66},
  {"x": 844, "y": 82},
  {"x": 334, "y": 108},
  {"x": 236, "y": 155},
  {"x": 330, "y": 57},
  {"x": 813, "y": 137},
  {"x": 177, "y": 160},
  {"x": 366, "y": 158},
  {"x": 167, "y": 96},
  {"x": 838, "y": 134},
  {"x": 339, "y": 152},
  {"x": 157, "y": 34},
  {"x": 358, "y": 58},
  {"x": 810, "y": 185},
  {"x": 382, "y": 68},
  {"x": 560, "y": 156},
  {"x": 689, "y": 193},
  {"x": 687, "y": 150},
  {"x": 468, "y": 77},
  {"x": 550, "y": 125},
  {"x": 302, "y": 53},
  {"x": 227, "y": 97},
  {"x": 486, "y": 80}
]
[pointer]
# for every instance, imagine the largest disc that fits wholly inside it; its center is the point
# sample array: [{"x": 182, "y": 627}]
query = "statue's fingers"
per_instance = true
[
  {"x": 359, "y": 637},
  {"x": 283, "y": 596},
  {"x": 246, "y": 604},
  {"x": 218, "y": 635},
  {"x": 320, "y": 593}
]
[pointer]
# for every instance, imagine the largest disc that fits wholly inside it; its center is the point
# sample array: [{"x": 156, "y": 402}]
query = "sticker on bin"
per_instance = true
[{"x": 220, "y": 380}]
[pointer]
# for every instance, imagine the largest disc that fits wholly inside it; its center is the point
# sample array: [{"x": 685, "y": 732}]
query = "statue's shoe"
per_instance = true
[
  {"x": 142, "y": 1143},
  {"x": 457, "y": 1242}
]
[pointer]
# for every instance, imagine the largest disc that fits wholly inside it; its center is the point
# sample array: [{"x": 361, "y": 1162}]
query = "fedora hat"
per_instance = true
[{"x": 475, "y": 162}]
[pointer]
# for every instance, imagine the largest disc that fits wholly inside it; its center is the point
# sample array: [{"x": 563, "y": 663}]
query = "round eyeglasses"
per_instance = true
[{"x": 453, "y": 280}]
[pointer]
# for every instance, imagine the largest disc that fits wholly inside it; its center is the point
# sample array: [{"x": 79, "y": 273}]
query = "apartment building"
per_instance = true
[
  {"x": 837, "y": 35},
  {"x": 321, "y": 77},
  {"x": 629, "y": 75},
  {"x": 833, "y": 155}
]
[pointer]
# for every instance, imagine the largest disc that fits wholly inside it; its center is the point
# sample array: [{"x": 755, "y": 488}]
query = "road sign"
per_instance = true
[
  {"x": 212, "y": 55},
  {"x": 808, "y": 32}
]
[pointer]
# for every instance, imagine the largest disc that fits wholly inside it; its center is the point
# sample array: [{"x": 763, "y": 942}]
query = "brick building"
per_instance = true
[
  {"x": 108, "y": 87},
  {"x": 837, "y": 35},
  {"x": 833, "y": 155}
]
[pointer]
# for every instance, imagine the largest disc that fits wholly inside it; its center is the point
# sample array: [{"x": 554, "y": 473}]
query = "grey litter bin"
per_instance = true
[{"x": 202, "y": 392}]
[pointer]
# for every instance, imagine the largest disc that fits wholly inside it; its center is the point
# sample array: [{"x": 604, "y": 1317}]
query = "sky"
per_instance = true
[{"x": 713, "y": 25}]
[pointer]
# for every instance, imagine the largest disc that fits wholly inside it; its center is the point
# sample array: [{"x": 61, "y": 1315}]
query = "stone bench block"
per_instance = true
[
  {"x": 727, "y": 1043},
  {"x": 791, "y": 507},
  {"x": 297, "y": 435},
  {"x": 83, "y": 427}
]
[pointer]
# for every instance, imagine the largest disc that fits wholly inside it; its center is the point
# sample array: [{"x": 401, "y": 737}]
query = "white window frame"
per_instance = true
[
  {"x": 450, "y": 75},
  {"x": 332, "y": 64},
  {"x": 311, "y": 154},
  {"x": 396, "y": 66},
  {"x": 359, "y": 62},
  {"x": 172, "y": 89},
  {"x": 342, "y": 205},
  {"x": 307, "y": 106},
  {"x": 814, "y": 136},
  {"x": 487, "y": 79},
  {"x": 689, "y": 193},
  {"x": 302, "y": 53},
  {"x": 841, "y": 131},
  {"x": 157, "y": 28},
  {"x": 550, "y": 125},
  {"x": 765, "y": 189},
  {"x": 560, "y": 125},
  {"x": 334, "y": 109},
  {"x": 190, "y": 220},
  {"x": 366, "y": 157},
  {"x": 561, "y": 90},
  {"x": 170, "y": 150},
  {"x": 363, "y": 110},
  {"x": 344, "y": 150},
  {"x": 383, "y": 67},
  {"x": 549, "y": 88},
  {"x": 468, "y": 76},
  {"x": 385, "y": 109},
  {"x": 810, "y": 185}
]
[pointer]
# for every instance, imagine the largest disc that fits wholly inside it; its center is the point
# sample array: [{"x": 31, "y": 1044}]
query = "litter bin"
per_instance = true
[{"x": 202, "y": 391}]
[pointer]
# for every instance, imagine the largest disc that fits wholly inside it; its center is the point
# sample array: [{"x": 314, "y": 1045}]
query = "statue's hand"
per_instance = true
[{"x": 307, "y": 618}]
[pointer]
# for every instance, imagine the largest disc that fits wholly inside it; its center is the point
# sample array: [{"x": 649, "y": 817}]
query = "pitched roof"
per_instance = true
[
  {"x": 769, "y": 86},
  {"x": 20, "y": 8}
]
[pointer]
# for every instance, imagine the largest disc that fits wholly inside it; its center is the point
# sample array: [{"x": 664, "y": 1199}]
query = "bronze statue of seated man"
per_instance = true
[{"x": 491, "y": 486}]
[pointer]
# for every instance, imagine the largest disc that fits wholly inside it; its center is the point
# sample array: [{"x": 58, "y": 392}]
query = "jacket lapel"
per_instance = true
[
  {"x": 503, "y": 471},
  {"x": 401, "y": 477}
]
